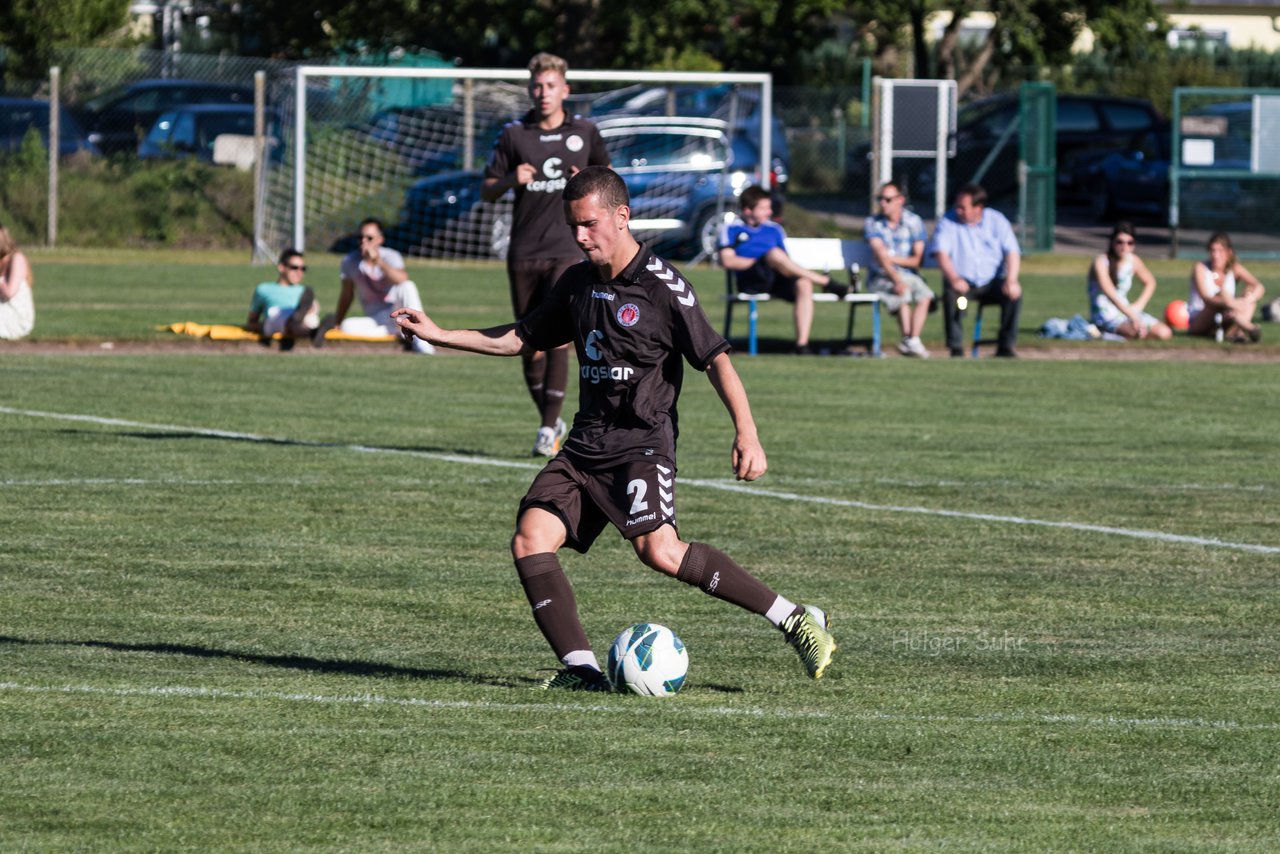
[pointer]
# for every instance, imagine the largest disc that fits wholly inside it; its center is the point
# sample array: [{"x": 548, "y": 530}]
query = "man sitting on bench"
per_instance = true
[{"x": 753, "y": 249}]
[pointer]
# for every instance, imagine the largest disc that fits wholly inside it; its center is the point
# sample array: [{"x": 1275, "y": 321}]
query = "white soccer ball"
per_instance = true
[{"x": 647, "y": 659}]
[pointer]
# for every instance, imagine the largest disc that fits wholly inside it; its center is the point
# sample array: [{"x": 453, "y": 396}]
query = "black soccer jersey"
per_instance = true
[
  {"x": 633, "y": 335},
  {"x": 538, "y": 229}
]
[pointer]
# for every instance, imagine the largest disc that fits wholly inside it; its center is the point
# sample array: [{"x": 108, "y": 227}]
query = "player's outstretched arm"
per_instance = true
[
  {"x": 747, "y": 458},
  {"x": 496, "y": 341}
]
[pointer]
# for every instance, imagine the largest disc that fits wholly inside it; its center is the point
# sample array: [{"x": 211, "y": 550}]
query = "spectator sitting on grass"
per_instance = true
[
  {"x": 1111, "y": 278},
  {"x": 286, "y": 307},
  {"x": 375, "y": 274},
  {"x": 1213, "y": 301},
  {"x": 17, "y": 310}
]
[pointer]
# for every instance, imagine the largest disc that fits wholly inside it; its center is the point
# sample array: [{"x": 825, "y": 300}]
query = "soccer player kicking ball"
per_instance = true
[{"x": 634, "y": 321}]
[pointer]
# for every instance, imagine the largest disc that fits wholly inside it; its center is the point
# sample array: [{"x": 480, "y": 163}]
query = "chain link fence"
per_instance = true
[
  {"x": 825, "y": 154},
  {"x": 1224, "y": 169}
]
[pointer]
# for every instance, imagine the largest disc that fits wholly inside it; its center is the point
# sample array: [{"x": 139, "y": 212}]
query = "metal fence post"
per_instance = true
[{"x": 55, "y": 138}]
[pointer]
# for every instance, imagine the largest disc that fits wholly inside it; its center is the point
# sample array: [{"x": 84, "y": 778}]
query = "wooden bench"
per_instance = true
[{"x": 825, "y": 255}]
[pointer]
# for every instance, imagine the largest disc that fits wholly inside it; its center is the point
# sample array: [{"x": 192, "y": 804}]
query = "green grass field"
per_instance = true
[{"x": 253, "y": 601}]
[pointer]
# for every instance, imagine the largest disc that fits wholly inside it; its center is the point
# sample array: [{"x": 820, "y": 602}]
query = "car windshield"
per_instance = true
[{"x": 668, "y": 149}]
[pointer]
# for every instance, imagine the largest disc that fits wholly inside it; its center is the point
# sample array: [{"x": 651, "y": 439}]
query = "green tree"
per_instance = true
[{"x": 31, "y": 29}]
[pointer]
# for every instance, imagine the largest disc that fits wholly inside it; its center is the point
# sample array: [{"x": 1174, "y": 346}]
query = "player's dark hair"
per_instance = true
[
  {"x": 288, "y": 255},
  {"x": 976, "y": 192},
  {"x": 601, "y": 182},
  {"x": 373, "y": 220},
  {"x": 752, "y": 196},
  {"x": 1121, "y": 227},
  {"x": 887, "y": 184}
]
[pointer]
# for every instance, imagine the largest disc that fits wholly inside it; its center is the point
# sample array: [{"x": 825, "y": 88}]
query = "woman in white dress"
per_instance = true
[
  {"x": 1213, "y": 298},
  {"x": 1111, "y": 278},
  {"x": 17, "y": 311}
]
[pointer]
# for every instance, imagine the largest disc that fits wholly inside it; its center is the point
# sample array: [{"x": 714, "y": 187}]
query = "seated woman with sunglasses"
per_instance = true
[
  {"x": 286, "y": 306},
  {"x": 1111, "y": 278}
]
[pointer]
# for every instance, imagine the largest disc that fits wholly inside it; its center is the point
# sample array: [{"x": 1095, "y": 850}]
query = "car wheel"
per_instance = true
[{"x": 706, "y": 230}]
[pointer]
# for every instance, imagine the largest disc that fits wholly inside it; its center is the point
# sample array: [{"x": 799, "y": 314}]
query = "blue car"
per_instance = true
[
  {"x": 20, "y": 115},
  {"x": 192, "y": 130},
  {"x": 117, "y": 120},
  {"x": 679, "y": 171}
]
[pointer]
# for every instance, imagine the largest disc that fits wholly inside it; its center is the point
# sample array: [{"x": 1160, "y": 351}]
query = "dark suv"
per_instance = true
[
  {"x": 987, "y": 135},
  {"x": 119, "y": 119}
]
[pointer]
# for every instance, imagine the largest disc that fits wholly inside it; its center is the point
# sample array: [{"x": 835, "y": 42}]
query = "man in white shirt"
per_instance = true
[{"x": 377, "y": 275}]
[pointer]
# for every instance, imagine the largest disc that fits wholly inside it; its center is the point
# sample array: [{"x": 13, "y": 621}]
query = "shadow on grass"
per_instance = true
[
  {"x": 290, "y": 662},
  {"x": 315, "y": 665},
  {"x": 267, "y": 440}
]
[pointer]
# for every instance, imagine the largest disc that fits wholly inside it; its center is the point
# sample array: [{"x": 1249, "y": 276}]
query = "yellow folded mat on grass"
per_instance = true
[{"x": 228, "y": 332}]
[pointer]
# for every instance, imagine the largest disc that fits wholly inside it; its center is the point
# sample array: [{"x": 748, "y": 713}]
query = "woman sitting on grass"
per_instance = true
[
  {"x": 1213, "y": 303},
  {"x": 1110, "y": 280},
  {"x": 17, "y": 311}
]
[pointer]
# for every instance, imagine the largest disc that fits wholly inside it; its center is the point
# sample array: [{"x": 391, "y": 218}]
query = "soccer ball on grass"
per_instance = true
[{"x": 647, "y": 659}]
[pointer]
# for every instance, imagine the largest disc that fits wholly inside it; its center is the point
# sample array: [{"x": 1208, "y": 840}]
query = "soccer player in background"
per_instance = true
[
  {"x": 535, "y": 156},
  {"x": 634, "y": 322}
]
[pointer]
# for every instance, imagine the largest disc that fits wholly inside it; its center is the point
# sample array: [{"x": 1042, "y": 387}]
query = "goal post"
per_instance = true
[{"x": 408, "y": 145}]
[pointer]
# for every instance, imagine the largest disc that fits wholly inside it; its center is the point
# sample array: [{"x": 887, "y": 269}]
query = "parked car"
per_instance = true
[
  {"x": 738, "y": 107},
  {"x": 1086, "y": 125},
  {"x": 20, "y": 115},
  {"x": 427, "y": 139},
  {"x": 118, "y": 120},
  {"x": 679, "y": 171},
  {"x": 191, "y": 131},
  {"x": 1134, "y": 181}
]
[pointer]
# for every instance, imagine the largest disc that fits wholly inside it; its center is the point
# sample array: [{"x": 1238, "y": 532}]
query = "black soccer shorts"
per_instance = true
[{"x": 636, "y": 497}]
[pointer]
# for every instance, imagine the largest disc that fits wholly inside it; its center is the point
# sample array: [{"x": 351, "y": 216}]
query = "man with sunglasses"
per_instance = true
[
  {"x": 286, "y": 307},
  {"x": 896, "y": 237},
  {"x": 377, "y": 275}
]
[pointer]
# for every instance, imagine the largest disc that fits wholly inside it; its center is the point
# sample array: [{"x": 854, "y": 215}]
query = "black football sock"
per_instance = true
[
  {"x": 554, "y": 608},
  {"x": 716, "y": 574}
]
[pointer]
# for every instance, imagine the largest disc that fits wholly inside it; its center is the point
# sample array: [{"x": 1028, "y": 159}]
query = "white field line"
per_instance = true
[
  {"x": 630, "y": 707},
  {"x": 139, "y": 481},
  {"x": 724, "y": 486}
]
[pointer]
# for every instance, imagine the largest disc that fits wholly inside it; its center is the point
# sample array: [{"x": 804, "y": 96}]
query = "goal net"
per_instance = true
[{"x": 409, "y": 145}]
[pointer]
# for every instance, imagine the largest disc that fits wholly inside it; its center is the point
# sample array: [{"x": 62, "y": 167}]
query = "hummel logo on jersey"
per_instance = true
[
  {"x": 602, "y": 295},
  {"x": 676, "y": 284}
]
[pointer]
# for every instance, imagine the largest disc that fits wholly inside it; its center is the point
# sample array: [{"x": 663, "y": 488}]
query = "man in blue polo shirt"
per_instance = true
[
  {"x": 754, "y": 249},
  {"x": 979, "y": 257}
]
